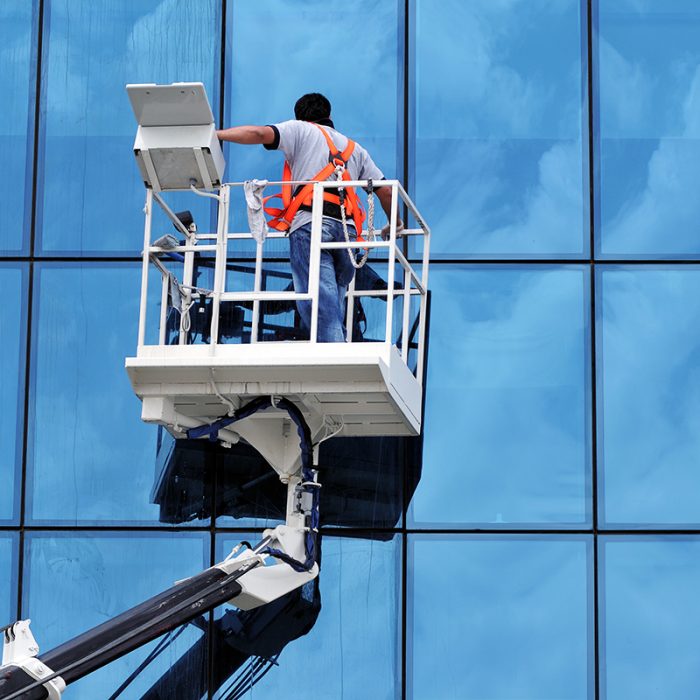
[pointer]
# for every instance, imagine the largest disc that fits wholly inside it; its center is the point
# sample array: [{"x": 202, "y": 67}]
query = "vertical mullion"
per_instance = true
[
  {"x": 405, "y": 247},
  {"x": 406, "y": 115},
  {"x": 30, "y": 304},
  {"x": 594, "y": 418},
  {"x": 215, "y": 485}
]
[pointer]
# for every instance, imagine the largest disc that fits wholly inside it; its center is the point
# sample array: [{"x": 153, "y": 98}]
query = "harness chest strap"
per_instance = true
[{"x": 291, "y": 203}]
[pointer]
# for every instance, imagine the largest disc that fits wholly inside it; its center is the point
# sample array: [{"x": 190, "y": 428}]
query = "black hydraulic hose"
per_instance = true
[{"x": 128, "y": 631}]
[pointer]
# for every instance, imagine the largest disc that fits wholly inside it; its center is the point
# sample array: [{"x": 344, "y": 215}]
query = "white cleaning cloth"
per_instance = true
[{"x": 256, "y": 216}]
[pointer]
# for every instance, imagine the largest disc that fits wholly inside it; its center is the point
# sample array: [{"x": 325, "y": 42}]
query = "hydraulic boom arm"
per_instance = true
[{"x": 283, "y": 561}]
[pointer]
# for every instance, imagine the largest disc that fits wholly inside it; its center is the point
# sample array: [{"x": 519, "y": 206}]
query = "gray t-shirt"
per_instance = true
[{"x": 306, "y": 151}]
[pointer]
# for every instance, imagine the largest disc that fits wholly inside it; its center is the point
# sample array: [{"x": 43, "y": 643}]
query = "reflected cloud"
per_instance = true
[
  {"x": 507, "y": 141},
  {"x": 649, "y": 103},
  {"x": 552, "y": 208},
  {"x": 626, "y": 92}
]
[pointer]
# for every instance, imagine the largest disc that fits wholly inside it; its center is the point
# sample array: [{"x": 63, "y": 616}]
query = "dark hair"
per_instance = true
[{"x": 312, "y": 107}]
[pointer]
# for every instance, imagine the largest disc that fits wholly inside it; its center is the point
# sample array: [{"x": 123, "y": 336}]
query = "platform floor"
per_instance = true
[{"x": 366, "y": 387}]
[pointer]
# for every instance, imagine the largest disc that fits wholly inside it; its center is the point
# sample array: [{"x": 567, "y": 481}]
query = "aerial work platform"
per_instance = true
[{"x": 202, "y": 369}]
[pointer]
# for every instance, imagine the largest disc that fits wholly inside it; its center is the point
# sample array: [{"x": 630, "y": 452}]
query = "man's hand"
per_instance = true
[
  {"x": 385, "y": 232},
  {"x": 384, "y": 196}
]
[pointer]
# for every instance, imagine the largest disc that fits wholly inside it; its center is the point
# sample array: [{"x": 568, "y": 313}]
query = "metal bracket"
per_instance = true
[
  {"x": 273, "y": 578},
  {"x": 20, "y": 649}
]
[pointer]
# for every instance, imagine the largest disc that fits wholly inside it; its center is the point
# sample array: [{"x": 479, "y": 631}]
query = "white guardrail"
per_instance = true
[{"x": 414, "y": 284}]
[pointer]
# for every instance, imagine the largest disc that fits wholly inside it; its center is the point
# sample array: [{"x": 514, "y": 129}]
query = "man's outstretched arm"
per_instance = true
[{"x": 247, "y": 135}]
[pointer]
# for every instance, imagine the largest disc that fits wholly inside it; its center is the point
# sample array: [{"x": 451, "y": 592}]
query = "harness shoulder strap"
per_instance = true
[
  {"x": 283, "y": 217},
  {"x": 335, "y": 153}
]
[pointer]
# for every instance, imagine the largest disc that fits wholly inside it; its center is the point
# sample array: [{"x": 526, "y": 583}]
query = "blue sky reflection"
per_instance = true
[
  {"x": 650, "y": 618},
  {"x": 12, "y": 349},
  {"x": 500, "y": 618},
  {"x": 507, "y": 435},
  {"x": 15, "y": 60},
  {"x": 91, "y": 187},
  {"x": 649, "y": 67},
  {"x": 499, "y": 110},
  {"x": 649, "y": 395}
]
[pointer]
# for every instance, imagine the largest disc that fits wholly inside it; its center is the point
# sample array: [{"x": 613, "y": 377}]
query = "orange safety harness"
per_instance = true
[{"x": 291, "y": 203}]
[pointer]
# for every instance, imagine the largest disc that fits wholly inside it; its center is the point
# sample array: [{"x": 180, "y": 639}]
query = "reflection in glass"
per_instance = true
[
  {"x": 650, "y": 617},
  {"x": 91, "y": 459},
  {"x": 17, "y": 114},
  {"x": 506, "y": 425},
  {"x": 365, "y": 99},
  {"x": 364, "y": 480},
  {"x": 75, "y": 582},
  {"x": 499, "y": 618},
  {"x": 500, "y": 127},
  {"x": 92, "y": 193},
  {"x": 356, "y": 638},
  {"x": 8, "y": 580},
  {"x": 648, "y": 394},
  {"x": 12, "y": 352},
  {"x": 648, "y": 56}
]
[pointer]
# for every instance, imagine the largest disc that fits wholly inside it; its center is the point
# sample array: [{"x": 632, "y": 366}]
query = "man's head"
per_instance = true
[{"x": 312, "y": 107}]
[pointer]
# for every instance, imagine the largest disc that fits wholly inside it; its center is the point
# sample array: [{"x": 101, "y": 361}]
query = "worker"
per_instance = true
[{"x": 310, "y": 143}]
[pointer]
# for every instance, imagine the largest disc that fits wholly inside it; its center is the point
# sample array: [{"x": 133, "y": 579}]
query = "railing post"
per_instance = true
[
  {"x": 256, "y": 287},
  {"x": 350, "y": 314},
  {"x": 420, "y": 370},
  {"x": 392, "y": 265},
  {"x": 406, "y": 314},
  {"x": 187, "y": 276},
  {"x": 165, "y": 286},
  {"x": 315, "y": 258},
  {"x": 148, "y": 213},
  {"x": 219, "y": 264}
]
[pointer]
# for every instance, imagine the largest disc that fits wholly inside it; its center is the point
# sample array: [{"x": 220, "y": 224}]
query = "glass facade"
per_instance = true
[{"x": 542, "y": 539}]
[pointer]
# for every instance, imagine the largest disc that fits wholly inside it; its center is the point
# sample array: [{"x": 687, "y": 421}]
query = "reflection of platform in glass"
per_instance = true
[{"x": 364, "y": 387}]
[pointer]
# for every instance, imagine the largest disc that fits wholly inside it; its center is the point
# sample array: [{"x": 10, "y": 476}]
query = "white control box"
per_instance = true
[{"x": 176, "y": 144}]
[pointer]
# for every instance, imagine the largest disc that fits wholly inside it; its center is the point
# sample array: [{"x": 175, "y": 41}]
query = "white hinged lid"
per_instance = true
[{"x": 179, "y": 104}]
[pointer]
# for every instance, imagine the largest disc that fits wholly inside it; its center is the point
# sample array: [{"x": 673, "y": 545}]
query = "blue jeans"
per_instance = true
[{"x": 336, "y": 272}]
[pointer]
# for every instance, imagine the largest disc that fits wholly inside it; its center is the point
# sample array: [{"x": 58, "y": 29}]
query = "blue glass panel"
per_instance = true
[
  {"x": 362, "y": 84},
  {"x": 506, "y": 425},
  {"x": 16, "y": 120},
  {"x": 8, "y": 580},
  {"x": 91, "y": 459},
  {"x": 649, "y": 617},
  {"x": 500, "y": 127},
  {"x": 74, "y": 582},
  {"x": 648, "y": 362},
  {"x": 356, "y": 638},
  {"x": 92, "y": 192},
  {"x": 500, "y": 618},
  {"x": 648, "y": 57},
  {"x": 13, "y": 320}
]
